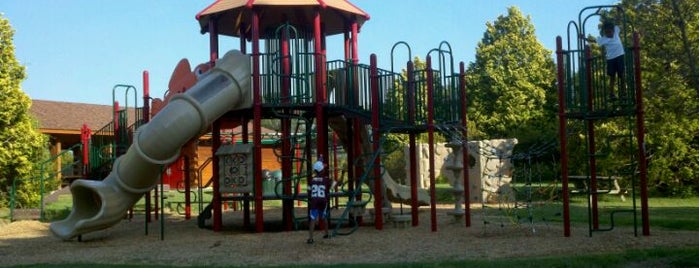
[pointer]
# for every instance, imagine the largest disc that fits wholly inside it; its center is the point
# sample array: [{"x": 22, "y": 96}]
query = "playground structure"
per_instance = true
[
  {"x": 361, "y": 103},
  {"x": 585, "y": 106},
  {"x": 292, "y": 82},
  {"x": 319, "y": 104}
]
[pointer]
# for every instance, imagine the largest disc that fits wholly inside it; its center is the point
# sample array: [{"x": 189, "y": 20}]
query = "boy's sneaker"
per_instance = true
[
  {"x": 309, "y": 241},
  {"x": 326, "y": 236}
]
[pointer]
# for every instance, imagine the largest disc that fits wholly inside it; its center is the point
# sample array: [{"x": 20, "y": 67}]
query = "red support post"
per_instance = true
[
  {"x": 336, "y": 174},
  {"x": 213, "y": 42},
  {"x": 346, "y": 43},
  {"x": 187, "y": 189},
  {"x": 246, "y": 202},
  {"x": 355, "y": 151},
  {"x": 356, "y": 128},
  {"x": 562, "y": 135},
  {"x": 85, "y": 138},
  {"x": 376, "y": 136},
  {"x": 146, "y": 119},
  {"x": 146, "y": 97},
  {"x": 115, "y": 121},
  {"x": 321, "y": 98},
  {"x": 321, "y": 92},
  {"x": 286, "y": 68},
  {"x": 414, "y": 206},
  {"x": 592, "y": 188},
  {"x": 430, "y": 141},
  {"x": 216, "y": 136},
  {"x": 216, "y": 200},
  {"x": 355, "y": 49},
  {"x": 412, "y": 141},
  {"x": 298, "y": 170},
  {"x": 287, "y": 205},
  {"x": 640, "y": 133},
  {"x": 465, "y": 155},
  {"x": 243, "y": 43},
  {"x": 256, "y": 123},
  {"x": 356, "y": 125}
]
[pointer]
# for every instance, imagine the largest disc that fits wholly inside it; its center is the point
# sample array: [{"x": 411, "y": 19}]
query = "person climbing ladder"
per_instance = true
[{"x": 614, "y": 53}]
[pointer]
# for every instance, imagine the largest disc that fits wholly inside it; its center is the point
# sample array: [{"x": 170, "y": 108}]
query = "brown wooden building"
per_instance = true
[{"x": 62, "y": 122}]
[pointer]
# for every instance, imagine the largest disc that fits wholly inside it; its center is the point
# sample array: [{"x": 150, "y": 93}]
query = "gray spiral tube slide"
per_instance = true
[{"x": 99, "y": 205}]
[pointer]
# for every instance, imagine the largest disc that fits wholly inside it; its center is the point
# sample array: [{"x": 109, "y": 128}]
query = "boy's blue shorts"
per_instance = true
[
  {"x": 315, "y": 213},
  {"x": 615, "y": 66}
]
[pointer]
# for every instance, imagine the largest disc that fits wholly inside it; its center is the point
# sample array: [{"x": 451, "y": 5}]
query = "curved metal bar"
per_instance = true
[
  {"x": 410, "y": 53},
  {"x": 126, "y": 94},
  {"x": 451, "y": 56},
  {"x": 600, "y": 11},
  {"x": 442, "y": 60},
  {"x": 578, "y": 34}
]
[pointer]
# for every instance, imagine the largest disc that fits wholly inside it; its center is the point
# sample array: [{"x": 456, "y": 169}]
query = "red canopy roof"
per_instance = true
[{"x": 231, "y": 15}]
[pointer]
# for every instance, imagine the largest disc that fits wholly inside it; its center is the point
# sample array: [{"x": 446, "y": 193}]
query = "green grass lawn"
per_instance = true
[{"x": 671, "y": 213}]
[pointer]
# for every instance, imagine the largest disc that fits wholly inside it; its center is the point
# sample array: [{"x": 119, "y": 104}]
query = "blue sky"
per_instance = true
[{"x": 77, "y": 50}]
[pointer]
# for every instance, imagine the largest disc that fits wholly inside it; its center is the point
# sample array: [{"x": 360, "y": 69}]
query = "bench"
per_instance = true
[{"x": 583, "y": 188}]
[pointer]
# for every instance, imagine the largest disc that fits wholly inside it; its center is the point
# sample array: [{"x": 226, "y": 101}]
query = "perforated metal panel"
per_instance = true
[{"x": 235, "y": 168}]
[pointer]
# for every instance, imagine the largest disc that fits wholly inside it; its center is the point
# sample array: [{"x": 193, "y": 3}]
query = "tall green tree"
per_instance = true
[
  {"x": 669, "y": 58},
  {"x": 510, "y": 85},
  {"x": 21, "y": 144}
]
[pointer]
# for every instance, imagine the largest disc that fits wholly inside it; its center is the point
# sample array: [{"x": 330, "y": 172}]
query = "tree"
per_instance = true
[
  {"x": 510, "y": 85},
  {"x": 669, "y": 48},
  {"x": 21, "y": 144}
]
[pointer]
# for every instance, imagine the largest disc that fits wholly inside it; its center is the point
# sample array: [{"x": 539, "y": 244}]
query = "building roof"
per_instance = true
[
  {"x": 232, "y": 16},
  {"x": 69, "y": 117},
  {"x": 57, "y": 117}
]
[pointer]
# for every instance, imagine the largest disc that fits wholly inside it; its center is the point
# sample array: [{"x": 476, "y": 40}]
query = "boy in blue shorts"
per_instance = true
[
  {"x": 318, "y": 193},
  {"x": 614, "y": 53}
]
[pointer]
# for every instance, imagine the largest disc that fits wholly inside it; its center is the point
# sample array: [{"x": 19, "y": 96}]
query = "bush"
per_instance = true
[
  {"x": 672, "y": 190},
  {"x": 27, "y": 193}
]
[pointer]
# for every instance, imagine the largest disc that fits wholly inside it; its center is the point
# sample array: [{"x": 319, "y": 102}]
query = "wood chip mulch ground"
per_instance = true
[{"x": 30, "y": 242}]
